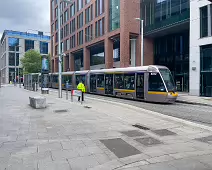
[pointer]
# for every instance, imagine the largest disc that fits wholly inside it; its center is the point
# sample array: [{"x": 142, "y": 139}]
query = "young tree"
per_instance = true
[{"x": 31, "y": 62}]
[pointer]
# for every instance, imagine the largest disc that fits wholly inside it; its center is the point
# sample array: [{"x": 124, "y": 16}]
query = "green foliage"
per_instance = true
[{"x": 31, "y": 62}]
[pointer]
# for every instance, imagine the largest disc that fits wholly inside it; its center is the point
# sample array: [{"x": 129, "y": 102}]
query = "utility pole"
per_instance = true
[{"x": 59, "y": 53}]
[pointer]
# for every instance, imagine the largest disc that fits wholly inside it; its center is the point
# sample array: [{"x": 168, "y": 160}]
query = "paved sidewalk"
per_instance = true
[
  {"x": 186, "y": 98},
  {"x": 97, "y": 135}
]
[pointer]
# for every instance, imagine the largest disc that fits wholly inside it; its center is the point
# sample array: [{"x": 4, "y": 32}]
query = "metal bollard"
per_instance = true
[{"x": 20, "y": 85}]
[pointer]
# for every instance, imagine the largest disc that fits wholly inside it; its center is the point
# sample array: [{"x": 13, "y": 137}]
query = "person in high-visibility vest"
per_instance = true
[{"x": 81, "y": 87}]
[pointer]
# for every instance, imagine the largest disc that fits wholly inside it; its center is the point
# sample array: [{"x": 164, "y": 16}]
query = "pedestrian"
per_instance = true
[{"x": 81, "y": 87}]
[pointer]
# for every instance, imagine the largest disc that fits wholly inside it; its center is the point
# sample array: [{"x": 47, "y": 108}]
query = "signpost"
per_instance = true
[{"x": 45, "y": 75}]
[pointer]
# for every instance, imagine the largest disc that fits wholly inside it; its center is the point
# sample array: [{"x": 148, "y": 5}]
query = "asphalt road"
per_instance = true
[{"x": 194, "y": 113}]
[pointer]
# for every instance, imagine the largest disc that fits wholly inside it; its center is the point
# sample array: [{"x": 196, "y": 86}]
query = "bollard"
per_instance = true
[
  {"x": 20, "y": 85},
  {"x": 67, "y": 90},
  {"x": 71, "y": 95}
]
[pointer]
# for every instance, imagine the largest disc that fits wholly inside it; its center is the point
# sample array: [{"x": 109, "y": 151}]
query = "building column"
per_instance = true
[
  {"x": 108, "y": 53},
  {"x": 133, "y": 52},
  {"x": 86, "y": 58},
  {"x": 124, "y": 49},
  {"x": 148, "y": 51},
  {"x": 52, "y": 66},
  {"x": 71, "y": 62}
]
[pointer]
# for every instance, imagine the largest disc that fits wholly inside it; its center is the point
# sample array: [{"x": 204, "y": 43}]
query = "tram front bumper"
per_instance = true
[{"x": 172, "y": 97}]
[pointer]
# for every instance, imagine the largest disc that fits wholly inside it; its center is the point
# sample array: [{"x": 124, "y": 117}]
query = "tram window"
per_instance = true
[
  {"x": 80, "y": 78},
  {"x": 100, "y": 80},
  {"x": 156, "y": 83},
  {"x": 119, "y": 81},
  {"x": 55, "y": 79},
  {"x": 129, "y": 81}
]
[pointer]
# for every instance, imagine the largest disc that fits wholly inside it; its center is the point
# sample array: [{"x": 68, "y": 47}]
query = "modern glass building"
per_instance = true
[
  {"x": 19, "y": 42},
  {"x": 166, "y": 24}
]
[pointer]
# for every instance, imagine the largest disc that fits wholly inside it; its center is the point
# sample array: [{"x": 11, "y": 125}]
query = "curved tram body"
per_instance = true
[{"x": 149, "y": 83}]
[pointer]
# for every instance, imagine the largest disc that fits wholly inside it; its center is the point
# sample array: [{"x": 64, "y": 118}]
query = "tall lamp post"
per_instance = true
[
  {"x": 16, "y": 65},
  {"x": 142, "y": 39},
  {"x": 59, "y": 46}
]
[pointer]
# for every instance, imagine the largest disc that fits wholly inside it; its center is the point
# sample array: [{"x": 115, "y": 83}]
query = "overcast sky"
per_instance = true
[{"x": 22, "y": 15}]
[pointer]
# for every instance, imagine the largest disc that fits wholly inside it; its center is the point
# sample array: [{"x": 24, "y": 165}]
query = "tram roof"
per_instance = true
[{"x": 129, "y": 69}]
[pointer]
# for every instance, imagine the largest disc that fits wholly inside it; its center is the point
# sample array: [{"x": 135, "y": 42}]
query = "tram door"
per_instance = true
[
  {"x": 140, "y": 86},
  {"x": 92, "y": 83},
  {"x": 109, "y": 84}
]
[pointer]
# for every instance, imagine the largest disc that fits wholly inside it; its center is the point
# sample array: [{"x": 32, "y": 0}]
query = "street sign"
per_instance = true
[{"x": 76, "y": 93}]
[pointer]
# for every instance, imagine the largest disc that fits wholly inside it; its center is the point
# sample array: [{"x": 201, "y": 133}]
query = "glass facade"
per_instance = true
[
  {"x": 173, "y": 51},
  {"x": 29, "y": 45},
  {"x": 12, "y": 43},
  {"x": 161, "y": 13},
  {"x": 12, "y": 59},
  {"x": 206, "y": 70},
  {"x": 206, "y": 21},
  {"x": 43, "y": 47},
  {"x": 114, "y": 14}
]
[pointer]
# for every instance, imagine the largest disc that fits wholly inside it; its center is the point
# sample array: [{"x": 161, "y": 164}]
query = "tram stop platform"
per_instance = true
[{"x": 97, "y": 135}]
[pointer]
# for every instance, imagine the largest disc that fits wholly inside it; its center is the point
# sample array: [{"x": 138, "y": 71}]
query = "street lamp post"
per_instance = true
[
  {"x": 59, "y": 50},
  {"x": 142, "y": 39},
  {"x": 15, "y": 68}
]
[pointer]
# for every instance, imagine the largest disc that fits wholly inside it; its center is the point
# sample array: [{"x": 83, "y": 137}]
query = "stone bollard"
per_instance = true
[{"x": 37, "y": 102}]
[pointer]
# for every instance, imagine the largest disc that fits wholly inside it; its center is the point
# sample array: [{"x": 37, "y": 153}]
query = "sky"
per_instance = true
[{"x": 24, "y": 15}]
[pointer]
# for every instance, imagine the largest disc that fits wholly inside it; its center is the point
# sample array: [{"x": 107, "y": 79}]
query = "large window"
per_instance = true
[
  {"x": 80, "y": 38},
  {"x": 99, "y": 7},
  {"x": 72, "y": 10},
  {"x": 99, "y": 28},
  {"x": 114, "y": 14},
  {"x": 80, "y": 20},
  {"x": 72, "y": 26},
  {"x": 89, "y": 33},
  {"x": 206, "y": 70},
  {"x": 100, "y": 80},
  {"x": 125, "y": 81},
  {"x": 156, "y": 83},
  {"x": 89, "y": 14},
  {"x": 66, "y": 16},
  {"x": 13, "y": 42},
  {"x": 52, "y": 10},
  {"x": 12, "y": 59},
  {"x": 29, "y": 45},
  {"x": 43, "y": 47},
  {"x": 72, "y": 41},
  {"x": 66, "y": 30},
  {"x": 161, "y": 13},
  {"x": 79, "y": 4},
  {"x": 204, "y": 21}
]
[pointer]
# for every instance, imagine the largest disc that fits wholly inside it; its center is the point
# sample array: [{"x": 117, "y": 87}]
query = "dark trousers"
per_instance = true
[{"x": 82, "y": 97}]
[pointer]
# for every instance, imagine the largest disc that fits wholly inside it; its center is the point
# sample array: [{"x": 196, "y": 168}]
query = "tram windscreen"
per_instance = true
[{"x": 168, "y": 79}]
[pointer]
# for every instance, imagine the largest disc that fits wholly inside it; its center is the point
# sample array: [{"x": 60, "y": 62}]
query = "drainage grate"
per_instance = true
[
  {"x": 141, "y": 127},
  {"x": 87, "y": 107},
  {"x": 60, "y": 111}
]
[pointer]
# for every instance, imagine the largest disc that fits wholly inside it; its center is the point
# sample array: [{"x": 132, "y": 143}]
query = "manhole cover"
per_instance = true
[
  {"x": 60, "y": 111},
  {"x": 141, "y": 127},
  {"x": 87, "y": 107},
  {"x": 133, "y": 133},
  {"x": 163, "y": 132},
  {"x": 148, "y": 141}
]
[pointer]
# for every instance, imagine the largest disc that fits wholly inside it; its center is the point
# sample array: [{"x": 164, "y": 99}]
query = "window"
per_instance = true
[
  {"x": 52, "y": 9},
  {"x": 61, "y": 34},
  {"x": 156, "y": 83},
  {"x": 66, "y": 16},
  {"x": 80, "y": 78},
  {"x": 72, "y": 10},
  {"x": 56, "y": 37},
  {"x": 52, "y": 27},
  {"x": 43, "y": 47},
  {"x": 67, "y": 45},
  {"x": 80, "y": 38},
  {"x": 89, "y": 33},
  {"x": 80, "y": 20},
  {"x": 99, "y": 28},
  {"x": 56, "y": 12},
  {"x": 72, "y": 41},
  {"x": 204, "y": 21},
  {"x": 56, "y": 25},
  {"x": 87, "y": 1},
  {"x": 100, "y": 80},
  {"x": 99, "y": 7},
  {"x": 129, "y": 81},
  {"x": 12, "y": 59},
  {"x": 12, "y": 43},
  {"x": 119, "y": 81},
  {"x": 114, "y": 14},
  {"x": 29, "y": 44},
  {"x": 72, "y": 26},
  {"x": 56, "y": 50},
  {"x": 79, "y": 4},
  {"x": 61, "y": 20},
  {"x": 89, "y": 14},
  {"x": 66, "y": 30}
]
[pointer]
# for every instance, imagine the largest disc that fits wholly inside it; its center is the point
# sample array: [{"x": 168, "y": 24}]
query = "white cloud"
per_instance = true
[{"x": 22, "y": 15}]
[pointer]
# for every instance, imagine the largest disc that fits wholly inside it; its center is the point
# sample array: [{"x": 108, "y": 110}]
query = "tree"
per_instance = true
[{"x": 31, "y": 62}]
